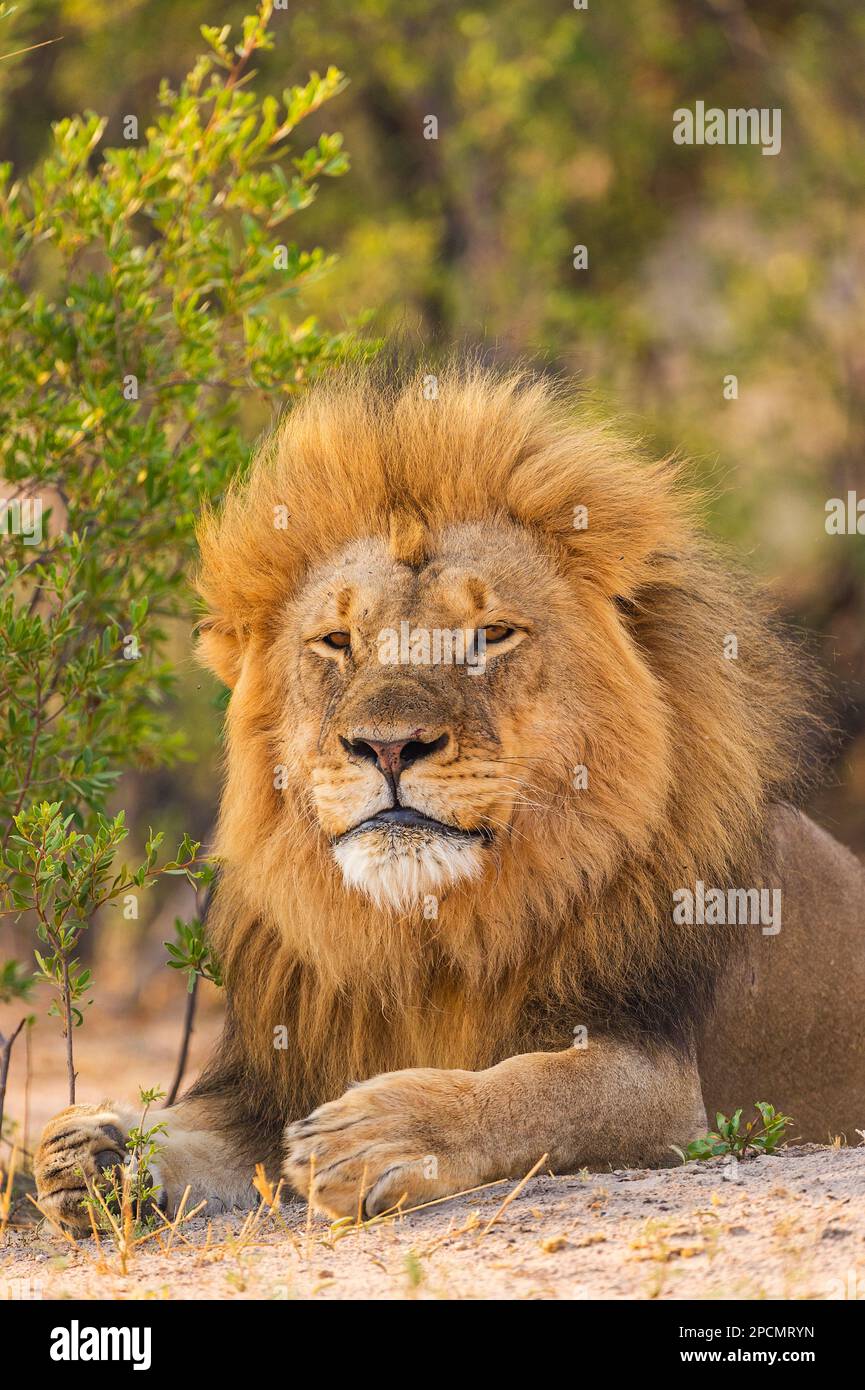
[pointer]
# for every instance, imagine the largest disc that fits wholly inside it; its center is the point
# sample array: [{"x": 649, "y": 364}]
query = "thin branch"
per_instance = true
[
  {"x": 67, "y": 1024},
  {"x": 32, "y": 48},
  {"x": 188, "y": 1021},
  {"x": 5, "y": 1057}
]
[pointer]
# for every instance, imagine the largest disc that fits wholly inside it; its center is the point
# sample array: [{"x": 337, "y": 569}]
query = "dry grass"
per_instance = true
[
  {"x": 791, "y": 1226},
  {"x": 117, "y": 1238}
]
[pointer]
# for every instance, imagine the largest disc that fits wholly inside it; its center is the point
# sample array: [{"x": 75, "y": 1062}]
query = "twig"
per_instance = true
[
  {"x": 173, "y": 1225},
  {"x": 5, "y": 1056},
  {"x": 67, "y": 1023},
  {"x": 189, "y": 1010},
  {"x": 188, "y": 1020},
  {"x": 511, "y": 1195},
  {"x": 28, "y": 1079},
  {"x": 30, "y": 49},
  {"x": 340, "y": 1229},
  {"x": 6, "y": 1197},
  {"x": 52, "y": 1221}
]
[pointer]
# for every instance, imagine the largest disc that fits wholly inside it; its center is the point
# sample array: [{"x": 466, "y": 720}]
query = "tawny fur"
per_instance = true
[
  {"x": 688, "y": 752},
  {"x": 371, "y": 503}
]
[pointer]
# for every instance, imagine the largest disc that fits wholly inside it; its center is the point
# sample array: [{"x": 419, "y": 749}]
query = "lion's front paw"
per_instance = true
[
  {"x": 75, "y": 1148},
  {"x": 404, "y": 1137}
]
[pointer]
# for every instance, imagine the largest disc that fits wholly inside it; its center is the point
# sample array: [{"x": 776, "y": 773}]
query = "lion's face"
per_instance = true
[
  {"x": 548, "y": 785},
  {"x": 422, "y": 714}
]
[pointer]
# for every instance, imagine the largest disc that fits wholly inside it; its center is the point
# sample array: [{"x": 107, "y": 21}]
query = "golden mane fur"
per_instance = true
[{"x": 696, "y": 747}]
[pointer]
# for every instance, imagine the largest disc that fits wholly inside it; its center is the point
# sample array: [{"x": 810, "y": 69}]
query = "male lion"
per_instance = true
[{"x": 446, "y": 910}]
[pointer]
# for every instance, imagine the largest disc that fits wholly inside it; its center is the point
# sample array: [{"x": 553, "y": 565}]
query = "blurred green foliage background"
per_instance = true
[{"x": 555, "y": 130}]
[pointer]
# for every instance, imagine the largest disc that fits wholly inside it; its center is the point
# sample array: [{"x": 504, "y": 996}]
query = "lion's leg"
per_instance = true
[
  {"x": 421, "y": 1134},
  {"x": 193, "y": 1152}
]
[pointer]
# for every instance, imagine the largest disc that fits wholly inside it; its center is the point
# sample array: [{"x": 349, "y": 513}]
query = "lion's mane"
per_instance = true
[{"x": 577, "y": 927}]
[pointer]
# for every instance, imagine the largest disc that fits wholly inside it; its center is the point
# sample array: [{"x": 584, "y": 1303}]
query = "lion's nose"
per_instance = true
[{"x": 394, "y": 755}]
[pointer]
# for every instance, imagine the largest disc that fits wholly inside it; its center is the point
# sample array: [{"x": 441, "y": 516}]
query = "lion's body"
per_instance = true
[
  {"x": 789, "y": 1021},
  {"x": 452, "y": 927}
]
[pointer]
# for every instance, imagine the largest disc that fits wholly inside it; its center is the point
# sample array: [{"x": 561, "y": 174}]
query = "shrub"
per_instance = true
[
  {"x": 762, "y": 1135},
  {"x": 144, "y": 333}
]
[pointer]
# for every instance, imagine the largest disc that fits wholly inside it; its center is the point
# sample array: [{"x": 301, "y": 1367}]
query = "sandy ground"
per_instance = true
[{"x": 789, "y": 1226}]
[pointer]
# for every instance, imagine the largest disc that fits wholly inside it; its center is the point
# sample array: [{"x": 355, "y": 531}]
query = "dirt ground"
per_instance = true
[{"x": 789, "y": 1226}]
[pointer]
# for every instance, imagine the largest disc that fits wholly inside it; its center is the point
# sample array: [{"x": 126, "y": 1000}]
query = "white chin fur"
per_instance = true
[{"x": 400, "y": 870}]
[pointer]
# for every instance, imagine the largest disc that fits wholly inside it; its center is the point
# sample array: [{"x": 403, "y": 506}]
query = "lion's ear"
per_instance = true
[{"x": 220, "y": 649}]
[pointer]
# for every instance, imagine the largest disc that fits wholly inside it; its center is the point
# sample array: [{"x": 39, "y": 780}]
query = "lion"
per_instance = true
[{"x": 510, "y": 865}]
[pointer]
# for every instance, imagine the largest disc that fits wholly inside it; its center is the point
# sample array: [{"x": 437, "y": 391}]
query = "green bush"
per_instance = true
[
  {"x": 762, "y": 1135},
  {"x": 145, "y": 334}
]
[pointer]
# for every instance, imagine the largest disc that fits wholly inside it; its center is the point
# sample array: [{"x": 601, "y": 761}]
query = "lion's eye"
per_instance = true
[
  {"x": 497, "y": 632},
  {"x": 338, "y": 640}
]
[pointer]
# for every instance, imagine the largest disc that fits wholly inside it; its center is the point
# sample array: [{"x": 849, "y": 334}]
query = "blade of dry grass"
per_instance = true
[{"x": 511, "y": 1195}]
